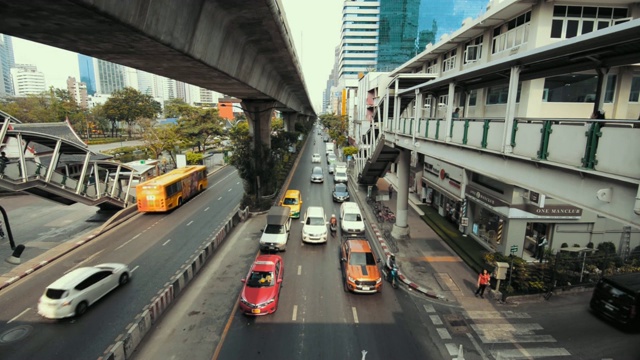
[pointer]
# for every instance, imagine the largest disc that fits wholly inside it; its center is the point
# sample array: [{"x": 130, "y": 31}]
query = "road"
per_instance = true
[{"x": 154, "y": 246}]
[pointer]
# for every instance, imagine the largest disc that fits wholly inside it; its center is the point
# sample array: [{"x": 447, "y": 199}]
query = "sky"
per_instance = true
[{"x": 314, "y": 25}]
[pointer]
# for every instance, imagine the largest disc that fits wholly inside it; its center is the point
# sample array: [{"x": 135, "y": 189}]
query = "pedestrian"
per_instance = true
[
  {"x": 4, "y": 160},
  {"x": 390, "y": 191},
  {"x": 542, "y": 242},
  {"x": 456, "y": 113},
  {"x": 483, "y": 282}
]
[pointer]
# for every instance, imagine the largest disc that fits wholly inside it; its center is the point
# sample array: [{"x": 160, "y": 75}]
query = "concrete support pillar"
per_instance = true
[
  {"x": 259, "y": 113},
  {"x": 514, "y": 79},
  {"x": 401, "y": 228},
  {"x": 289, "y": 119},
  {"x": 450, "y": 107}
]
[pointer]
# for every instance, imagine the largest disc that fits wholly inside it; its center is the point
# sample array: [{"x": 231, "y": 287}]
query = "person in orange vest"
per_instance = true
[{"x": 483, "y": 282}]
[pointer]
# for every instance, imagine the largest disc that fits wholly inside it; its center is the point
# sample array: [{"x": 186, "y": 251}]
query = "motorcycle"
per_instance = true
[
  {"x": 333, "y": 226},
  {"x": 391, "y": 273}
]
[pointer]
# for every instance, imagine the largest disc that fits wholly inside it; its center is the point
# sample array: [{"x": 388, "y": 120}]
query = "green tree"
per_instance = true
[
  {"x": 159, "y": 138},
  {"x": 53, "y": 105},
  {"x": 176, "y": 108},
  {"x": 197, "y": 126},
  {"x": 129, "y": 105}
]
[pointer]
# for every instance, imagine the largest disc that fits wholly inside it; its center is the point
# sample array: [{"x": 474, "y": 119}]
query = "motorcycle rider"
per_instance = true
[
  {"x": 391, "y": 261},
  {"x": 333, "y": 225}
]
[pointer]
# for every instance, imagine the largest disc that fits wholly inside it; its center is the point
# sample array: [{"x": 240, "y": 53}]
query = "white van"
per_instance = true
[
  {"x": 351, "y": 220},
  {"x": 314, "y": 229},
  {"x": 276, "y": 233}
]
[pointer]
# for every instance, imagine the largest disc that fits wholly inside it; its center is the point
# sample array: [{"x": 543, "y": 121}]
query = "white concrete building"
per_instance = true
[{"x": 27, "y": 80}]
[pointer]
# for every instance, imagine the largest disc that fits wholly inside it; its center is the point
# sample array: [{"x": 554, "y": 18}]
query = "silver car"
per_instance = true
[{"x": 317, "y": 175}]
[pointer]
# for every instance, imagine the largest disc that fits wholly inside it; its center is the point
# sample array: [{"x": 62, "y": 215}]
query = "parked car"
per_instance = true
[
  {"x": 315, "y": 158},
  {"x": 326, "y": 139},
  {"x": 340, "y": 193},
  {"x": 340, "y": 176},
  {"x": 314, "y": 229},
  {"x": 262, "y": 285},
  {"x": 332, "y": 168},
  {"x": 351, "y": 220},
  {"x": 80, "y": 288},
  {"x": 317, "y": 175},
  {"x": 360, "y": 267}
]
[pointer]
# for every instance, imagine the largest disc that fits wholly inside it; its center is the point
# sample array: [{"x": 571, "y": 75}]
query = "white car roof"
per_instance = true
[{"x": 72, "y": 278}]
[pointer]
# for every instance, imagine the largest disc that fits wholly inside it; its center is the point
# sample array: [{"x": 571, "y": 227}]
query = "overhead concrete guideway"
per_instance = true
[
  {"x": 61, "y": 168},
  {"x": 593, "y": 166}
]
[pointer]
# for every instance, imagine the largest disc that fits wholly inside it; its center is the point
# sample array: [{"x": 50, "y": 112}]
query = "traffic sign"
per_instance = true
[{"x": 514, "y": 249}]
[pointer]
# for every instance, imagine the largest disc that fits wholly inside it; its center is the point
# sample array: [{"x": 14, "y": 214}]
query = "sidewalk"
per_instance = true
[{"x": 436, "y": 259}]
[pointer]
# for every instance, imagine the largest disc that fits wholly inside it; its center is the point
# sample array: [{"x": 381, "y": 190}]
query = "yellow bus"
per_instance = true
[{"x": 170, "y": 190}]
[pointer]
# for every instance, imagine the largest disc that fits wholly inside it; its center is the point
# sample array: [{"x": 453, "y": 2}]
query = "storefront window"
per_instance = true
[{"x": 485, "y": 225}]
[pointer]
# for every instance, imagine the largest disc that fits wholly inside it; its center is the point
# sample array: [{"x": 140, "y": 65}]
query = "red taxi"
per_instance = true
[{"x": 261, "y": 290}]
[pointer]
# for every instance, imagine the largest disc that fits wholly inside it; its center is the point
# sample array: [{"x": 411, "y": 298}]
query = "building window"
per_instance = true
[
  {"x": 635, "y": 89},
  {"x": 512, "y": 33},
  {"x": 473, "y": 96},
  {"x": 449, "y": 60},
  {"x": 571, "y": 21},
  {"x": 577, "y": 88},
  {"x": 498, "y": 95},
  {"x": 473, "y": 50}
]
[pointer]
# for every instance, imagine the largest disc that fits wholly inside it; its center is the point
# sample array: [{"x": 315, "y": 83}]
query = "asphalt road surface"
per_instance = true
[{"x": 153, "y": 245}]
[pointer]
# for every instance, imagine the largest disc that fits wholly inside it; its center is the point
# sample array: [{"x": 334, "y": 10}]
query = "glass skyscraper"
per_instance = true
[
  {"x": 87, "y": 73},
  {"x": 7, "y": 61},
  {"x": 407, "y": 26}
]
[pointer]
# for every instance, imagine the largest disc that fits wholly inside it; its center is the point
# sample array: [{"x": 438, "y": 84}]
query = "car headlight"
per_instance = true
[
  {"x": 379, "y": 281},
  {"x": 351, "y": 279},
  {"x": 266, "y": 303}
]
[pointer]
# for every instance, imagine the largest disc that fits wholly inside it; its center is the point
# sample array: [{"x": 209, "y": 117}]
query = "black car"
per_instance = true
[{"x": 340, "y": 193}]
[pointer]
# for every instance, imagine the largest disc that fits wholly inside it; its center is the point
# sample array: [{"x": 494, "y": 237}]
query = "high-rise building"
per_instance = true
[
  {"x": 182, "y": 92},
  {"x": 7, "y": 61},
  {"x": 358, "y": 40},
  {"x": 79, "y": 92},
  {"x": 27, "y": 80},
  {"x": 110, "y": 77},
  {"x": 87, "y": 73},
  {"x": 407, "y": 26}
]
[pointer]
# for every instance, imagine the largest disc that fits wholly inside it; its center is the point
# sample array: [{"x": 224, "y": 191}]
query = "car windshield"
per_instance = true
[
  {"x": 339, "y": 174},
  {"x": 290, "y": 201},
  {"x": 274, "y": 229},
  {"x": 341, "y": 188},
  {"x": 260, "y": 279},
  {"x": 360, "y": 258},
  {"x": 352, "y": 217},
  {"x": 317, "y": 171},
  {"x": 315, "y": 221}
]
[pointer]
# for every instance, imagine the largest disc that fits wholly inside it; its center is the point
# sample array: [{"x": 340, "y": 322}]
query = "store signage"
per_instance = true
[
  {"x": 485, "y": 198},
  {"x": 552, "y": 210},
  {"x": 464, "y": 221},
  {"x": 536, "y": 198}
]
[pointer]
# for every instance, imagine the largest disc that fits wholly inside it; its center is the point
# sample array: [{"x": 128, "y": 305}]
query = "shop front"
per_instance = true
[
  {"x": 441, "y": 188},
  {"x": 488, "y": 218}
]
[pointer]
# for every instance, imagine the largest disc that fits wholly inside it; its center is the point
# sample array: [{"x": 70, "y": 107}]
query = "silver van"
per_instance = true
[{"x": 276, "y": 232}]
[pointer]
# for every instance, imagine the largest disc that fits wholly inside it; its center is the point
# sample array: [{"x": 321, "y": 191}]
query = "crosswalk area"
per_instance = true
[{"x": 495, "y": 334}]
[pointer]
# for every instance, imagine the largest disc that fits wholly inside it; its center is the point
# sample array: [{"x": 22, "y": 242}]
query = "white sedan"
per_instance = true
[
  {"x": 75, "y": 291},
  {"x": 315, "y": 158}
]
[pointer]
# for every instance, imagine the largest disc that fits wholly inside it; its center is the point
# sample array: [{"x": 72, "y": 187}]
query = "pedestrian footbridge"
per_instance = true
[{"x": 49, "y": 160}]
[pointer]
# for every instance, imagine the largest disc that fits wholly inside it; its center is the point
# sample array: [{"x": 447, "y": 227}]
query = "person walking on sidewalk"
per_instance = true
[
  {"x": 390, "y": 191},
  {"x": 483, "y": 282}
]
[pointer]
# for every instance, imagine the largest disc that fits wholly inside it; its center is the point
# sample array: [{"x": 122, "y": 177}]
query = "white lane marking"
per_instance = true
[
  {"x": 190, "y": 222},
  {"x": 435, "y": 319},
  {"x": 135, "y": 268},
  {"x": 17, "y": 316},
  {"x": 429, "y": 308},
  {"x": 206, "y": 208},
  {"x": 238, "y": 183},
  {"x": 229, "y": 190},
  {"x": 299, "y": 269},
  {"x": 84, "y": 261},
  {"x": 295, "y": 313},
  {"x": 220, "y": 198},
  {"x": 355, "y": 314},
  {"x": 166, "y": 242},
  {"x": 123, "y": 245},
  {"x": 444, "y": 334}
]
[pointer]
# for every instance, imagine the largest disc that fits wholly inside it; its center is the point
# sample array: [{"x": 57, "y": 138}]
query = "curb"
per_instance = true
[{"x": 421, "y": 289}]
